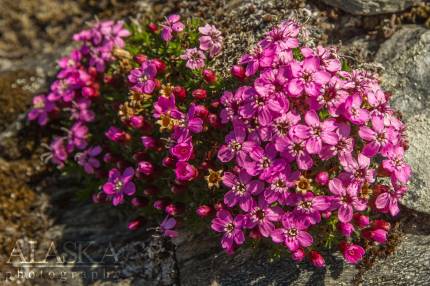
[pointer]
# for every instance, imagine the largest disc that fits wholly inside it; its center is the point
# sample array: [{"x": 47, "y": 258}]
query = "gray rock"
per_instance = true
[
  {"x": 406, "y": 58},
  {"x": 371, "y": 7}
]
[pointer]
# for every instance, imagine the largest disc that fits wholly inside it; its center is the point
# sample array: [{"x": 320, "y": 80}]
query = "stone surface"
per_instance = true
[
  {"x": 406, "y": 59},
  {"x": 371, "y": 7}
]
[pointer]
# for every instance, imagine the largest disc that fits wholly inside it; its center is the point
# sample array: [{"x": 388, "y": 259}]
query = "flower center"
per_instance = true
[
  {"x": 265, "y": 163},
  {"x": 236, "y": 146},
  {"x": 307, "y": 205},
  {"x": 229, "y": 228},
  {"x": 292, "y": 232},
  {"x": 240, "y": 189},
  {"x": 118, "y": 185}
]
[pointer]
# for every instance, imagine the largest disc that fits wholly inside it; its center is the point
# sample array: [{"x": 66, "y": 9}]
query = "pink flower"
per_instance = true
[
  {"x": 395, "y": 164},
  {"x": 378, "y": 137},
  {"x": 294, "y": 149},
  {"x": 309, "y": 207},
  {"x": 231, "y": 227},
  {"x": 210, "y": 40},
  {"x": 172, "y": 24},
  {"x": 353, "y": 111},
  {"x": 309, "y": 77},
  {"x": 185, "y": 172},
  {"x": 293, "y": 234},
  {"x": 119, "y": 185},
  {"x": 203, "y": 211},
  {"x": 345, "y": 199},
  {"x": 143, "y": 78},
  {"x": 167, "y": 227},
  {"x": 388, "y": 201},
  {"x": 316, "y": 133},
  {"x": 317, "y": 259},
  {"x": 351, "y": 252},
  {"x": 41, "y": 108},
  {"x": 58, "y": 151},
  {"x": 195, "y": 58},
  {"x": 242, "y": 188},
  {"x": 263, "y": 216},
  {"x": 145, "y": 167},
  {"x": 258, "y": 58},
  {"x": 357, "y": 170},
  {"x": 277, "y": 191},
  {"x": 346, "y": 228},
  {"x": 88, "y": 160},
  {"x": 183, "y": 150}
]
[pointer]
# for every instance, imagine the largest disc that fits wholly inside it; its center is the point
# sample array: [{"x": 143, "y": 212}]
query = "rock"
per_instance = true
[
  {"x": 406, "y": 58},
  {"x": 418, "y": 197},
  {"x": 202, "y": 262},
  {"x": 371, "y": 7}
]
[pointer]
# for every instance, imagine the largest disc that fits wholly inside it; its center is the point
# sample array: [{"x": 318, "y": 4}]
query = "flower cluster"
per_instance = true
[
  {"x": 307, "y": 151},
  {"x": 316, "y": 152},
  {"x": 74, "y": 90}
]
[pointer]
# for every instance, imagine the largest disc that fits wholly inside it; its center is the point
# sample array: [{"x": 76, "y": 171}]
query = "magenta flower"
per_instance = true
[
  {"x": 81, "y": 110},
  {"x": 344, "y": 145},
  {"x": 119, "y": 185},
  {"x": 294, "y": 149},
  {"x": 188, "y": 121},
  {"x": 309, "y": 77},
  {"x": 185, "y": 172},
  {"x": 353, "y": 111},
  {"x": 164, "y": 105},
  {"x": 378, "y": 137},
  {"x": 88, "y": 160},
  {"x": 263, "y": 216},
  {"x": 388, "y": 201},
  {"x": 236, "y": 144},
  {"x": 210, "y": 40},
  {"x": 309, "y": 207},
  {"x": 396, "y": 165},
  {"x": 282, "y": 124},
  {"x": 114, "y": 134},
  {"x": 316, "y": 133},
  {"x": 167, "y": 227},
  {"x": 242, "y": 188},
  {"x": 357, "y": 170},
  {"x": 258, "y": 58},
  {"x": 293, "y": 234},
  {"x": 58, "y": 151},
  {"x": 257, "y": 105},
  {"x": 264, "y": 162},
  {"x": 78, "y": 135},
  {"x": 143, "y": 78},
  {"x": 283, "y": 37},
  {"x": 172, "y": 24},
  {"x": 277, "y": 191},
  {"x": 40, "y": 111},
  {"x": 231, "y": 227},
  {"x": 345, "y": 199},
  {"x": 351, "y": 252},
  {"x": 183, "y": 150},
  {"x": 273, "y": 84},
  {"x": 195, "y": 58}
]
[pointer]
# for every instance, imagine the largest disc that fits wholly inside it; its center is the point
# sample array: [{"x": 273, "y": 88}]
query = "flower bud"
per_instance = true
[
  {"x": 298, "y": 255},
  {"x": 136, "y": 121},
  {"x": 145, "y": 168},
  {"x": 322, "y": 178},
  {"x": 148, "y": 142},
  {"x": 134, "y": 224},
  {"x": 152, "y": 27},
  {"x": 99, "y": 197},
  {"x": 255, "y": 234},
  {"x": 201, "y": 111},
  {"x": 160, "y": 65},
  {"x": 238, "y": 72},
  {"x": 209, "y": 76},
  {"x": 140, "y": 58},
  {"x": 213, "y": 120},
  {"x": 351, "y": 252},
  {"x": 317, "y": 259},
  {"x": 379, "y": 223},
  {"x": 346, "y": 229},
  {"x": 378, "y": 235},
  {"x": 173, "y": 209},
  {"x": 168, "y": 162},
  {"x": 159, "y": 204},
  {"x": 215, "y": 104},
  {"x": 361, "y": 220},
  {"x": 179, "y": 92},
  {"x": 203, "y": 211},
  {"x": 199, "y": 93}
]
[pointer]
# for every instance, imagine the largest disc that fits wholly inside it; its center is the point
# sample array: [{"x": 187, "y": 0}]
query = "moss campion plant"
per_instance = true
[{"x": 301, "y": 152}]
